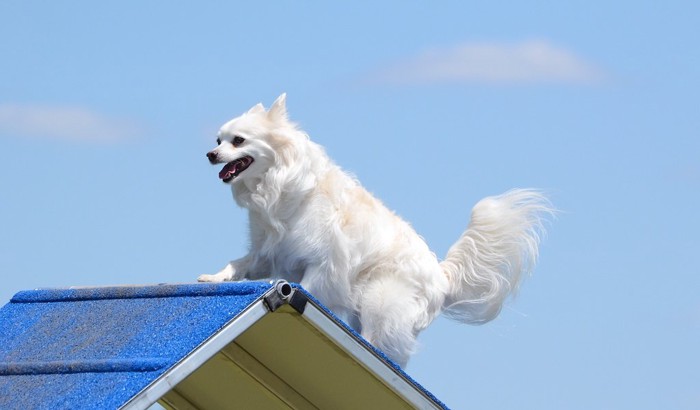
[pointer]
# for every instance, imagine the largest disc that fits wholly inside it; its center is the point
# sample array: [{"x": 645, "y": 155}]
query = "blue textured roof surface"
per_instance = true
[{"x": 98, "y": 347}]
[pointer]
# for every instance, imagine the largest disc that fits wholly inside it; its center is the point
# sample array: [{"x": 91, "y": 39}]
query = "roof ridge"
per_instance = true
[{"x": 74, "y": 294}]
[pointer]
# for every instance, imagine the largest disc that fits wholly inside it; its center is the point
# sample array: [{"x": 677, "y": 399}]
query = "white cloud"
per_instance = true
[
  {"x": 528, "y": 62},
  {"x": 62, "y": 122}
]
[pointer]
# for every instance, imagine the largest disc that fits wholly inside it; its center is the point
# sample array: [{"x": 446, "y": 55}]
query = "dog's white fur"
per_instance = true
[{"x": 310, "y": 222}]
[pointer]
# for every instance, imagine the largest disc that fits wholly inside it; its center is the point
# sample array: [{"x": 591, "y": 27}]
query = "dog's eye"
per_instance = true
[
  {"x": 218, "y": 141},
  {"x": 238, "y": 141}
]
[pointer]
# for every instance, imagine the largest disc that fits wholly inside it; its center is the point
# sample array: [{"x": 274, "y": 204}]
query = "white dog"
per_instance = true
[{"x": 312, "y": 223}]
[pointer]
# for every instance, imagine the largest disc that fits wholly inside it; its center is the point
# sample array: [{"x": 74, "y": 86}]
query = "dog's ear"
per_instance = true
[
  {"x": 256, "y": 108},
  {"x": 278, "y": 111}
]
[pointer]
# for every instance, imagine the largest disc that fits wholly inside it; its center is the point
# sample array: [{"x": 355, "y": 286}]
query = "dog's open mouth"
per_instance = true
[{"x": 234, "y": 168}]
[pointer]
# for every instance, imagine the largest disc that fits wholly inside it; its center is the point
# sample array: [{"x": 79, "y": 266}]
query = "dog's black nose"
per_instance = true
[{"x": 212, "y": 157}]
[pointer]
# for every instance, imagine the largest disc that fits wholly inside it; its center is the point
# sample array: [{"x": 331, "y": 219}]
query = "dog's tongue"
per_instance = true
[{"x": 228, "y": 170}]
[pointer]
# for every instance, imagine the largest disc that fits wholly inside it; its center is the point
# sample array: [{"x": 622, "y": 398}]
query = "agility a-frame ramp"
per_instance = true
[{"x": 246, "y": 345}]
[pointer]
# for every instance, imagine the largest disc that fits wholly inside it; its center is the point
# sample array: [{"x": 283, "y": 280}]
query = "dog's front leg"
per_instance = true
[{"x": 245, "y": 268}]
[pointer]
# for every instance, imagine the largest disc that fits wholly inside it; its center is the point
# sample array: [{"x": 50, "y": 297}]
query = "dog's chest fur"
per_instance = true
[{"x": 287, "y": 234}]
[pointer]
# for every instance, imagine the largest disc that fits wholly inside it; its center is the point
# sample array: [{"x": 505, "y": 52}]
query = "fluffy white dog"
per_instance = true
[{"x": 312, "y": 223}]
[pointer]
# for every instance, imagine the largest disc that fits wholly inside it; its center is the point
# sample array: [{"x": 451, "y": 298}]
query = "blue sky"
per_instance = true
[{"x": 107, "y": 110}]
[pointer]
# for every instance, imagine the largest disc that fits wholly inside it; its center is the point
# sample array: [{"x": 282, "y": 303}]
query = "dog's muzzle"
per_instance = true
[{"x": 232, "y": 169}]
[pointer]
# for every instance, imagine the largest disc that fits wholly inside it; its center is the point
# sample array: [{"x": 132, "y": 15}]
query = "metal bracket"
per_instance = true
[
  {"x": 280, "y": 294},
  {"x": 298, "y": 301}
]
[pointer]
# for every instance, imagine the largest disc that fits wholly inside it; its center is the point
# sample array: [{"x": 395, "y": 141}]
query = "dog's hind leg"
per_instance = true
[{"x": 390, "y": 315}]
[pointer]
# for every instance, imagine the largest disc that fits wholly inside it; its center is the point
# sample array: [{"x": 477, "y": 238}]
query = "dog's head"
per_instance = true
[{"x": 248, "y": 144}]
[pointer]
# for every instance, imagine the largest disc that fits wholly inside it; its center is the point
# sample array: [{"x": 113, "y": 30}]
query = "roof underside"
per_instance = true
[{"x": 283, "y": 362}]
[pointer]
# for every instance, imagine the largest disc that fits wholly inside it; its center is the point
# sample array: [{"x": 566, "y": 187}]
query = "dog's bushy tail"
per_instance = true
[{"x": 498, "y": 248}]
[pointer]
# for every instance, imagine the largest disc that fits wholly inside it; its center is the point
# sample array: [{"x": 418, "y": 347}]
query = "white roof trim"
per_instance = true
[{"x": 312, "y": 313}]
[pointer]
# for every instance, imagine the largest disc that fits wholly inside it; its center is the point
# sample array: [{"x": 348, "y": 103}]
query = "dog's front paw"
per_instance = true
[
  {"x": 222, "y": 276},
  {"x": 213, "y": 278}
]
